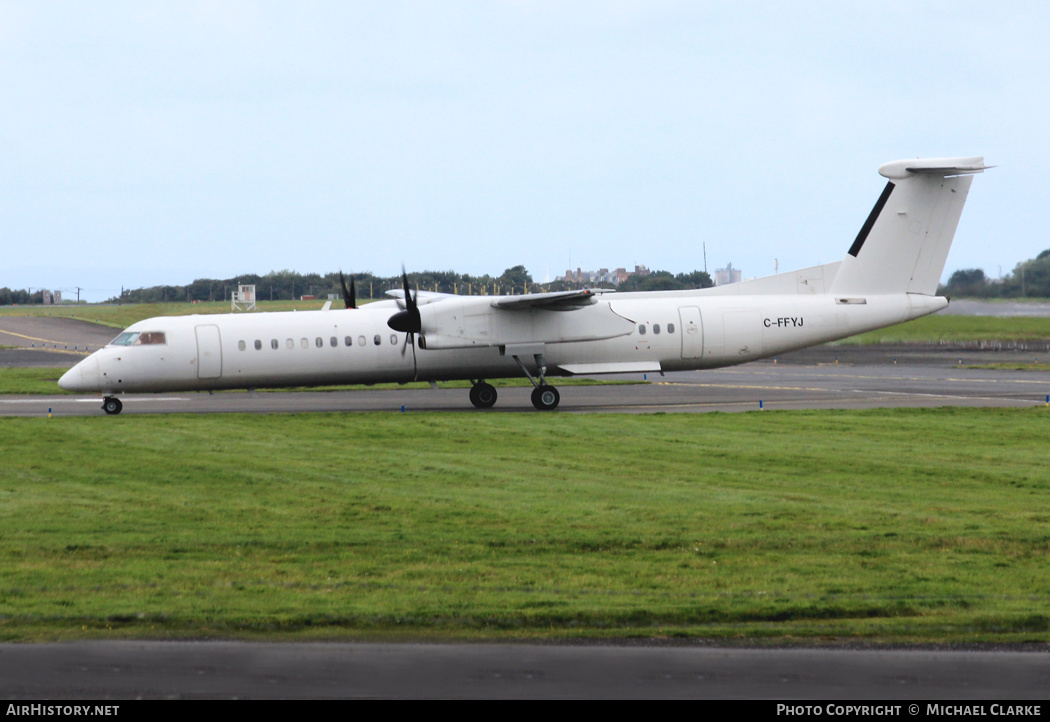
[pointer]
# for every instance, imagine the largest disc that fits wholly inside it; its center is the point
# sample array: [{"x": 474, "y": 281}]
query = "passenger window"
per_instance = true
[
  {"x": 304, "y": 343},
  {"x": 242, "y": 345},
  {"x": 274, "y": 344},
  {"x": 360, "y": 340},
  {"x": 670, "y": 328},
  {"x": 258, "y": 345},
  {"x": 333, "y": 342},
  {"x": 347, "y": 341},
  {"x": 319, "y": 342},
  {"x": 641, "y": 329},
  {"x": 656, "y": 328},
  {"x": 393, "y": 339},
  {"x": 290, "y": 343},
  {"x": 378, "y": 339}
]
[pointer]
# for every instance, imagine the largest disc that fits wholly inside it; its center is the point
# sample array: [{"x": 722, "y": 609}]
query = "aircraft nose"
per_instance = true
[{"x": 82, "y": 377}]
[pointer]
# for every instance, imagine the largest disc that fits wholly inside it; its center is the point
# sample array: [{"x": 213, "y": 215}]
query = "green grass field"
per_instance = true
[
  {"x": 941, "y": 328},
  {"x": 127, "y": 314},
  {"x": 888, "y": 525}
]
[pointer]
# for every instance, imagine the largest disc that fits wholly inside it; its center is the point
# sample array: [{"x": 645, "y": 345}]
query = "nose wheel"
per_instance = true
[
  {"x": 545, "y": 398},
  {"x": 111, "y": 405}
]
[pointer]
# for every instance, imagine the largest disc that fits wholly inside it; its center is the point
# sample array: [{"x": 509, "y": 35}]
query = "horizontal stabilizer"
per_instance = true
[{"x": 945, "y": 167}]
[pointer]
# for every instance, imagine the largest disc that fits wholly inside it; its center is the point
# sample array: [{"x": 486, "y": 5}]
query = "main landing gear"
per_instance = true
[
  {"x": 544, "y": 396},
  {"x": 482, "y": 395},
  {"x": 111, "y": 405}
]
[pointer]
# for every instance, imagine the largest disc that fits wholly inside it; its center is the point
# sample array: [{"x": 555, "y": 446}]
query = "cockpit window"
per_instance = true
[
  {"x": 150, "y": 337},
  {"x": 145, "y": 338},
  {"x": 125, "y": 339}
]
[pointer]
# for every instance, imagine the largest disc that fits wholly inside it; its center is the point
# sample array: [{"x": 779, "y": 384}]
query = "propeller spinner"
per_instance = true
[{"x": 407, "y": 321}]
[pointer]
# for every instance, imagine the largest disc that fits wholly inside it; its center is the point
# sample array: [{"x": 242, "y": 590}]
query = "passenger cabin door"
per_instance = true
[
  {"x": 209, "y": 352},
  {"x": 692, "y": 332}
]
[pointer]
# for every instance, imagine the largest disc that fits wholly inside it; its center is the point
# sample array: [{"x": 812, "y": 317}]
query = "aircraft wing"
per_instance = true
[
  {"x": 478, "y": 321},
  {"x": 553, "y": 301},
  {"x": 422, "y": 297}
]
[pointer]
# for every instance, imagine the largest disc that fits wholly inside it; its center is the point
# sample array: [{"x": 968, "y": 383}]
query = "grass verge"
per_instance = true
[
  {"x": 942, "y": 329},
  {"x": 886, "y": 525}
]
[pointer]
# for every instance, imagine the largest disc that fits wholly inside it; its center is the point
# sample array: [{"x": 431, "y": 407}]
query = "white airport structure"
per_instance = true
[{"x": 244, "y": 298}]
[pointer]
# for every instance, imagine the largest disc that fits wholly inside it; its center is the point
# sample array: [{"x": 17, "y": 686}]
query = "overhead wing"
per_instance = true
[
  {"x": 422, "y": 297},
  {"x": 539, "y": 318},
  {"x": 553, "y": 301}
]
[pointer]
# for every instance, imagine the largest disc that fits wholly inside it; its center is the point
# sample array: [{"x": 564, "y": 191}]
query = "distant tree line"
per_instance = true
[
  {"x": 19, "y": 296},
  {"x": 284, "y": 285},
  {"x": 1029, "y": 278}
]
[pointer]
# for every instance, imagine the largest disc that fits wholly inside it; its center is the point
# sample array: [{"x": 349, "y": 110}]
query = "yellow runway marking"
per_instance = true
[{"x": 45, "y": 340}]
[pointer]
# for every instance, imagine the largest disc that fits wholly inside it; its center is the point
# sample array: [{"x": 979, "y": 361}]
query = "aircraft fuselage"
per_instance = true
[{"x": 668, "y": 331}]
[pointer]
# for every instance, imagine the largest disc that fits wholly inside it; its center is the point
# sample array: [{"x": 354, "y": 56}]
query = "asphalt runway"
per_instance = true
[
  {"x": 49, "y": 340},
  {"x": 757, "y": 386},
  {"x": 215, "y": 670}
]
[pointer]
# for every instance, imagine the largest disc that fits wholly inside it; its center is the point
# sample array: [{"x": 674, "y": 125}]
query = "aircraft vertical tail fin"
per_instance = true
[{"x": 903, "y": 245}]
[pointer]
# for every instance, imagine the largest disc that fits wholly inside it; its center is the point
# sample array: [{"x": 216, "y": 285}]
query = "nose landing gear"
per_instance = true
[
  {"x": 545, "y": 397},
  {"x": 111, "y": 405}
]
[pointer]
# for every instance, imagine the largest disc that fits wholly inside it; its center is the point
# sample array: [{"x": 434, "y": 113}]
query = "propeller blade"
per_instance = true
[
  {"x": 348, "y": 294},
  {"x": 410, "y": 299},
  {"x": 411, "y": 338},
  {"x": 415, "y": 365},
  {"x": 407, "y": 321}
]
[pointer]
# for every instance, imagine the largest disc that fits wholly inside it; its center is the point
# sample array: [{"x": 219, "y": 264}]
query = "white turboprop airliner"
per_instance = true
[{"x": 889, "y": 275}]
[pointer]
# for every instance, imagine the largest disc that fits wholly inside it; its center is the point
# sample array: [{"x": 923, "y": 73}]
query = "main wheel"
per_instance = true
[
  {"x": 483, "y": 395},
  {"x": 545, "y": 398},
  {"x": 111, "y": 405}
]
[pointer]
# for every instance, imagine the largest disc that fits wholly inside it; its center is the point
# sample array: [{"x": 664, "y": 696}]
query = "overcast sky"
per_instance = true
[{"x": 146, "y": 143}]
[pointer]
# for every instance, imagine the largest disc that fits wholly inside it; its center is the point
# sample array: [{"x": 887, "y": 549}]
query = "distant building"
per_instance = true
[
  {"x": 243, "y": 299},
  {"x": 602, "y": 275},
  {"x": 727, "y": 275}
]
